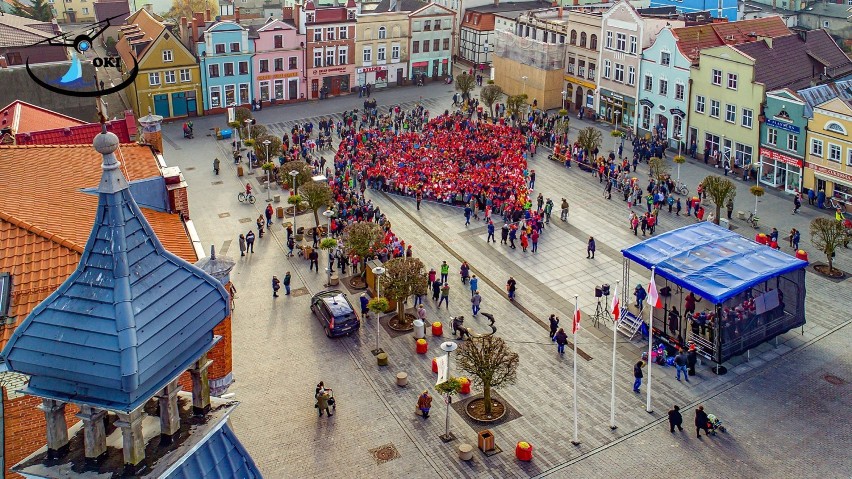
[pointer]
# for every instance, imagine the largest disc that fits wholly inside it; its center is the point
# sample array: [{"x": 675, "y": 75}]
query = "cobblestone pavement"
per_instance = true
[{"x": 280, "y": 352}]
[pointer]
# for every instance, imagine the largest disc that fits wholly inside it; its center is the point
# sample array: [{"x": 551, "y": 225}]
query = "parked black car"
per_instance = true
[{"x": 335, "y": 313}]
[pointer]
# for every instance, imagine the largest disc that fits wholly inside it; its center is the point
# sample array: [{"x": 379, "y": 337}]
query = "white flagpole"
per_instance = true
[
  {"x": 576, "y": 328},
  {"x": 650, "y": 341},
  {"x": 612, "y": 396}
]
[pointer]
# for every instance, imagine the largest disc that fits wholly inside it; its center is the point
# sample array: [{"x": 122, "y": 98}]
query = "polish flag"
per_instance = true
[
  {"x": 653, "y": 296},
  {"x": 616, "y": 306},
  {"x": 576, "y": 324}
]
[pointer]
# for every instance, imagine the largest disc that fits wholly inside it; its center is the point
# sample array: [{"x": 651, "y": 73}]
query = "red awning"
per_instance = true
[{"x": 420, "y": 64}]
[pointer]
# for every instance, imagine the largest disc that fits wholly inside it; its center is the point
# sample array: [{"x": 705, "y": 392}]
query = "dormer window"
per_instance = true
[{"x": 309, "y": 17}]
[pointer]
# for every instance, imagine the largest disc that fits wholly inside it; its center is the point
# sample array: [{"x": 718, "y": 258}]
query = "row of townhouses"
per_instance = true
[{"x": 770, "y": 101}]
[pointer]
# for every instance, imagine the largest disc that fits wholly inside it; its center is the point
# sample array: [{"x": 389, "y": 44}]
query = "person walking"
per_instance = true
[
  {"x": 269, "y": 212},
  {"x": 364, "y": 300},
  {"x": 525, "y": 242},
  {"x": 260, "y": 224},
  {"x": 513, "y": 234},
  {"x": 590, "y": 249},
  {"x": 640, "y": 294},
  {"x": 701, "y": 421},
  {"x": 680, "y": 365},
  {"x": 691, "y": 359},
  {"x": 730, "y": 207},
  {"x": 637, "y": 376},
  {"x": 490, "y": 232},
  {"x": 421, "y": 313},
  {"x": 467, "y": 213},
  {"x": 464, "y": 272},
  {"x": 475, "y": 301},
  {"x": 474, "y": 285},
  {"x": 561, "y": 339},
  {"x": 795, "y": 236},
  {"x": 424, "y": 404},
  {"x": 291, "y": 245},
  {"x": 445, "y": 295},
  {"x": 314, "y": 258},
  {"x": 286, "y": 283},
  {"x": 797, "y": 203},
  {"x": 563, "y": 215},
  {"x": 510, "y": 288},
  {"x": 534, "y": 238},
  {"x": 445, "y": 271},
  {"x": 250, "y": 242},
  {"x": 554, "y": 325},
  {"x": 675, "y": 419},
  {"x": 436, "y": 289},
  {"x": 242, "y": 245},
  {"x": 322, "y": 404},
  {"x": 504, "y": 233},
  {"x": 276, "y": 285}
]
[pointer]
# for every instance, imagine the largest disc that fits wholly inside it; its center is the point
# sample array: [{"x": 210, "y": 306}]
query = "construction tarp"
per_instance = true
[{"x": 711, "y": 261}]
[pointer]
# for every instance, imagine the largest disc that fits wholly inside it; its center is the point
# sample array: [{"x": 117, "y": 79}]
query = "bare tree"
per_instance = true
[
  {"x": 404, "y": 277},
  {"x": 317, "y": 195},
  {"x": 720, "y": 190},
  {"x": 589, "y": 138},
  {"x": 274, "y": 147},
  {"x": 363, "y": 239},
  {"x": 303, "y": 178},
  {"x": 827, "y": 235},
  {"x": 489, "y": 95},
  {"x": 491, "y": 363},
  {"x": 515, "y": 104},
  {"x": 465, "y": 84},
  {"x": 658, "y": 167},
  {"x": 185, "y": 8}
]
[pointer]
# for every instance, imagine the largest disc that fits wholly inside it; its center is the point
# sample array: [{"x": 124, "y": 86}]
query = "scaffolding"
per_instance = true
[{"x": 536, "y": 54}]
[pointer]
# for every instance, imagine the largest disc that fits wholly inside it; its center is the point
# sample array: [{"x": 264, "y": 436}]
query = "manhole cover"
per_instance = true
[
  {"x": 385, "y": 453},
  {"x": 834, "y": 380},
  {"x": 190, "y": 168},
  {"x": 245, "y": 220},
  {"x": 224, "y": 215},
  {"x": 217, "y": 182},
  {"x": 299, "y": 292}
]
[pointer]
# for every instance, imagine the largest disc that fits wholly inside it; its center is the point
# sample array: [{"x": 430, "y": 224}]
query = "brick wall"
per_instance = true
[
  {"x": 26, "y": 430},
  {"x": 180, "y": 201}
]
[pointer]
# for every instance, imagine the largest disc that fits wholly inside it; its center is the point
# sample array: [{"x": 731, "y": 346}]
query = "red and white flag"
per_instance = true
[
  {"x": 576, "y": 324},
  {"x": 616, "y": 306},
  {"x": 653, "y": 296}
]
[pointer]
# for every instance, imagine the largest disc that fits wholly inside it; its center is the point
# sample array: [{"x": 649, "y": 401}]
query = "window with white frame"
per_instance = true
[
  {"x": 230, "y": 95},
  {"x": 649, "y": 83},
  {"x": 731, "y": 113},
  {"x": 717, "y": 77},
  {"x": 235, "y": 47},
  {"x": 748, "y": 118},
  {"x": 834, "y": 153},
  {"x": 792, "y": 142},
  {"x": 264, "y": 66},
  {"x": 317, "y": 58},
  {"x": 154, "y": 78},
  {"x": 215, "y": 96},
  {"x": 608, "y": 39},
  {"x": 279, "y": 64},
  {"x": 680, "y": 91},
  {"x": 244, "y": 93},
  {"x": 699, "y": 104},
  {"x": 343, "y": 33},
  {"x": 169, "y": 76},
  {"x": 664, "y": 87},
  {"x": 213, "y": 70},
  {"x": 621, "y": 42},
  {"x": 631, "y": 75},
  {"x": 395, "y": 52},
  {"x": 743, "y": 154},
  {"x": 380, "y": 53},
  {"x": 634, "y": 44},
  {"x": 368, "y": 54},
  {"x": 329, "y": 34},
  {"x": 619, "y": 72},
  {"x": 317, "y": 34},
  {"x": 264, "y": 90},
  {"x": 714, "y": 108},
  {"x": 665, "y": 59},
  {"x": 342, "y": 55},
  {"x": 607, "y": 69},
  {"x": 646, "y": 117},
  {"x": 383, "y": 33},
  {"x": 185, "y": 75},
  {"x": 677, "y": 121},
  {"x": 816, "y": 147},
  {"x": 772, "y": 136},
  {"x": 278, "y": 89},
  {"x": 849, "y": 154},
  {"x": 168, "y": 56},
  {"x": 732, "y": 81},
  {"x": 329, "y": 56}
]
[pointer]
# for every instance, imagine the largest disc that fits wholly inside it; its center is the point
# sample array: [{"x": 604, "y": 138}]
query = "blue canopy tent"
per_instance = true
[{"x": 748, "y": 293}]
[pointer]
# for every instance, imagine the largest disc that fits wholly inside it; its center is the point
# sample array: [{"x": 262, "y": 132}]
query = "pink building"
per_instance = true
[{"x": 279, "y": 63}]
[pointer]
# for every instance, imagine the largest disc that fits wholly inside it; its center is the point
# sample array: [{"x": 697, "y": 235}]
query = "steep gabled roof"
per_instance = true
[
  {"x": 23, "y": 117},
  {"x": 819, "y": 94},
  {"x": 124, "y": 128},
  {"x": 220, "y": 455},
  {"x": 131, "y": 317},
  {"x": 143, "y": 22},
  {"x": 691, "y": 40},
  {"x": 18, "y": 31}
]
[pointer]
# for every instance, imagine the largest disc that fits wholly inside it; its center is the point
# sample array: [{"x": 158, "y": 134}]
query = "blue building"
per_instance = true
[
  {"x": 113, "y": 339},
  {"x": 225, "y": 56},
  {"x": 664, "y": 89},
  {"x": 782, "y": 141},
  {"x": 718, "y": 8}
]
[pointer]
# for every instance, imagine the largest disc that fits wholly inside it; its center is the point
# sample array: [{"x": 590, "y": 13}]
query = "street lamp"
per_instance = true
[
  {"x": 294, "y": 174},
  {"x": 448, "y": 347},
  {"x": 524, "y": 78},
  {"x": 564, "y": 97},
  {"x": 266, "y": 143},
  {"x": 378, "y": 271},
  {"x": 328, "y": 214}
]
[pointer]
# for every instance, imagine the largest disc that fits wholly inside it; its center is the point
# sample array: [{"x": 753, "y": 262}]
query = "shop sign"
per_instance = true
[
  {"x": 324, "y": 71},
  {"x": 782, "y": 125},
  {"x": 774, "y": 155},
  {"x": 278, "y": 75},
  {"x": 379, "y": 68},
  {"x": 582, "y": 83},
  {"x": 830, "y": 172},
  {"x": 646, "y": 102}
]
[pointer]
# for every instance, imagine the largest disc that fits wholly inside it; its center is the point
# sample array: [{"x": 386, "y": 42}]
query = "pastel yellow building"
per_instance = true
[
  {"x": 73, "y": 11},
  {"x": 169, "y": 80},
  {"x": 829, "y": 155}
]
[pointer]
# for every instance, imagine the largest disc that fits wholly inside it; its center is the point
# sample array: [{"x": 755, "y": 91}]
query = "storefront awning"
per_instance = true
[
  {"x": 646, "y": 102},
  {"x": 420, "y": 64}
]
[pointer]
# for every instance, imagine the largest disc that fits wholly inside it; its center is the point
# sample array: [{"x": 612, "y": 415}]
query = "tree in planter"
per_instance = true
[
  {"x": 757, "y": 192},
  {"x": 303, "y": 178},
  {"x": 491, "y": 363},
  {"x": 515, "y": 103},
  {"x": 404, "y": 277},
  {"x": 294, "y": 200},
  {"x": 362, "y": 239},
  {"x": 589, "y": 138},
  {"x": 489, "y": 95},
  {"x": 258, "y": 131},
  {"x": 720, "y": 190},
  {"x": 658, "y": 167},
  {"x": 260, "y": 149},
  {"x": 316, "y": 195},
  {"x": 827, "y": 234},
  {"x": 465, "y": 84}
]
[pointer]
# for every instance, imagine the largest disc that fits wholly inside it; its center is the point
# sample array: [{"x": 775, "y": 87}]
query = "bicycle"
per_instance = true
[
  {"x": 833, "y": 203},
  {"x": 246, "y": 197},
  {"x": 681, "y": 189},
  {"x": 752, "y": 219}
]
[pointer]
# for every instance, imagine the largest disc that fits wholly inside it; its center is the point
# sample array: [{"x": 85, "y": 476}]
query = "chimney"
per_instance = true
[
  {"x": 149, "y": 7},
  {"x": 559, "y": 16},
  {"x": 398, "y": 5},
  {"x": 176, "y": 187},
  {"x": 182, "y": 32},
  {"x": 297, "y": 17},
  {"x": 287, "y": 13},
  {"x": 237, "y": 14},
  {"x": 208, "y": 15}
]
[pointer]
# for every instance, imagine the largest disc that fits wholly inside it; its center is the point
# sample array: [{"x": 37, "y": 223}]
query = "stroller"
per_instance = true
[
  {"x": 187, "y": 130},
  {"x": 714, "y": 424}
]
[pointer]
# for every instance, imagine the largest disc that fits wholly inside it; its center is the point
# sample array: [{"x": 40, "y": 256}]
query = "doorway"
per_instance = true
[
  {"x": 578, "y": 98},
  {"x": 161, "y": 105},
  {"x": 399, "y": 77},
  {"x": 315, "y": 88},
  {"x": 179, "y": 103}
]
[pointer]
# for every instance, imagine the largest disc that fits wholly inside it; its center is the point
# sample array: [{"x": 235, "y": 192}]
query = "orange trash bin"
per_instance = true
[
  {"x": 802, "y": 255},
  {"x": 437, "y": 328},
  {"x": 524, "y": 451},
  {"x": 434, "y": 365},
  {"x": 422, "y": 346}
]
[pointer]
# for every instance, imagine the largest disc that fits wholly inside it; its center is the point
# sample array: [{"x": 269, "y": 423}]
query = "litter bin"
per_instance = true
[
  {"x": 419, "y": 329},
  {"x": 280, "y": 211},
  {"x": 725, "y": 223},
  {"x": 486, "y": 440}
]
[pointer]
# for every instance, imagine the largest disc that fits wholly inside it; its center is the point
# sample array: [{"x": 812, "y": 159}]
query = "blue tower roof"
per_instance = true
[
  {"x": 220, "y": 455},
  {"x": 130, "y": 318}
]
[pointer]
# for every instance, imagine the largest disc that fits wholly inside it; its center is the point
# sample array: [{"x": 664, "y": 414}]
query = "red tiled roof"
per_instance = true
[
  {"x": 124, "y": 128},
  {"x": 23, "y": 117},
  {"x": 691, "y": 40},
  {"x": 45, "y": 218}
]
